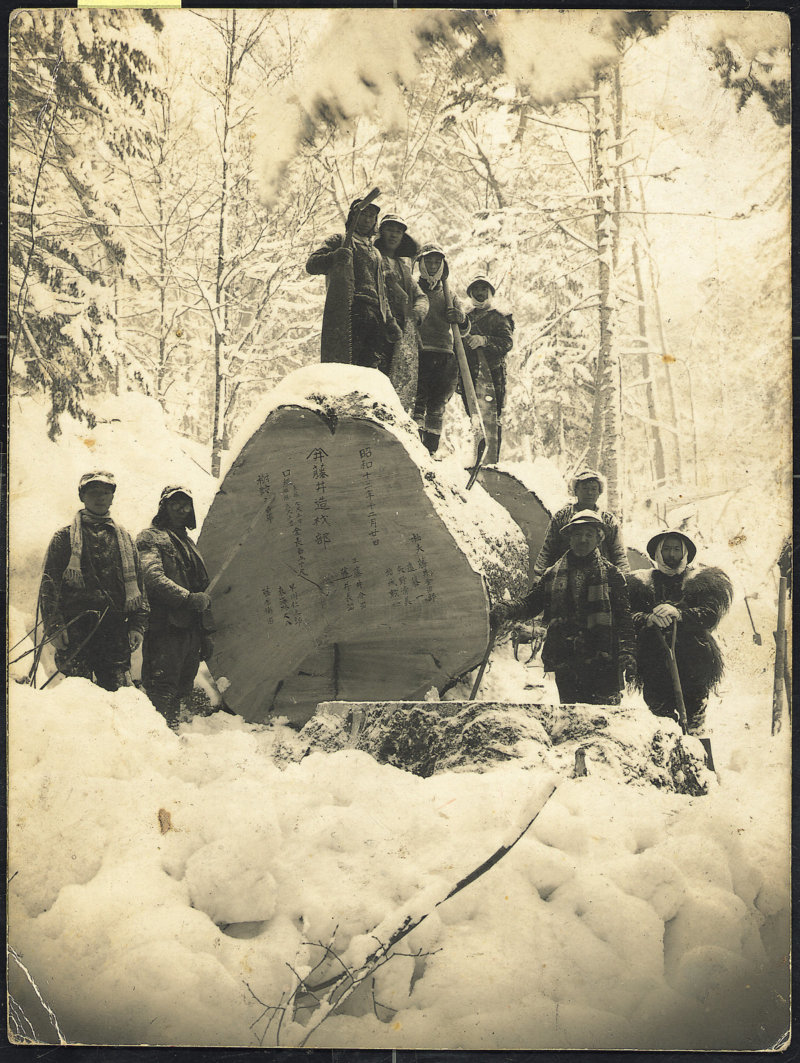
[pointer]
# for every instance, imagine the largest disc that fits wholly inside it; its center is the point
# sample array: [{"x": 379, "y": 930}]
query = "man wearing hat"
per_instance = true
[
  {"x": 92, "y": 596},
  {"x": 589, "y": 641},
  {"x": 694, "y": 599},
  {"x": 438, "y": 364},
  {"x": 181, "y": 625},
  {"x": 407, "y": 301},
  {"x": 491, "y": 332},
  {"x": 587, "y": 486},
  {"x": 360, "y": 305}
]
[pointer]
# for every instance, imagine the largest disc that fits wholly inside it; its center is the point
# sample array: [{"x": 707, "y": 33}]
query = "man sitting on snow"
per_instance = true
[
  {"x": 587, "y": 486},
  {"x": 589, "y": 641},
  {"x": 92, "y": 597},
  {"x": 179, "y": 636},
  {"x": 694, "y": 599}
]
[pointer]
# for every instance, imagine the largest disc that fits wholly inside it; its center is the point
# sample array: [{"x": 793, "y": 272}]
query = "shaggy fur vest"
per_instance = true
[{"x": 703, "y": 596}]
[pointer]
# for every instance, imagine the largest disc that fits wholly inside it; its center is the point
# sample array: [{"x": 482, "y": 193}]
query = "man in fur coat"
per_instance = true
[
  {"x": 589, "y": 641},
  {"x": 92, "y": 573},
  {"x": 491, "y": 331},
  {"x": 181, "y": 625},
  {"x": 356, "y": 304},
  {"x": 695, "y": 599},
  {"x": 587, "y": 486}
]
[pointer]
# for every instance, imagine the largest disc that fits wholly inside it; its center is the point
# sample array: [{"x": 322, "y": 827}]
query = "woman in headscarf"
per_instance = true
[{"x": 693, "y": 598}]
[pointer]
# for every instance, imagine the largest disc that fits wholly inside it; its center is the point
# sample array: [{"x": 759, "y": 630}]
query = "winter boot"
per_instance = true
[{"x": 431, "y": 441}]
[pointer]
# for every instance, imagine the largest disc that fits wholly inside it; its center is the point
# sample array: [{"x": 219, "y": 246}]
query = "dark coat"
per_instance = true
[
  {"x": 555, "y": 545},
  {"x": 368, "y": 285},
  {"x": 703, "y": 596},
  {"x": 565, "y": 645},
  {"x": 173, "y": 569},
  {"x": 498, "y": 331},
  {"x": 101, "y": 566}
]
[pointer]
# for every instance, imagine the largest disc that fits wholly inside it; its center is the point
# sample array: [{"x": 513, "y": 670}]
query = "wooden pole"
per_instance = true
[
  {"x": 469, "y": 390},
  {"x": 780, "y": 659}
]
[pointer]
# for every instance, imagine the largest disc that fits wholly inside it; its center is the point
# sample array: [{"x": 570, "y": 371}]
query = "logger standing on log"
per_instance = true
[
  {"x": 438, "y": 367},
  {"x": 92, "y": 595},
  {"x": 589, "y": 642},
  {"x": 587, "y": 486},
  {"x": 407, "y": 301},
  {"x": 693, "y": 598},
  {"x": 357, "y": 324},
  {"x": 491, "y": 333},
  {"x": 181, "y": 625}
]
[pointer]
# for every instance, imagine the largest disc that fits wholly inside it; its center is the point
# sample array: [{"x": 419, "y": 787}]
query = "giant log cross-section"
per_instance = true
[{"x": 347, "y": 565}]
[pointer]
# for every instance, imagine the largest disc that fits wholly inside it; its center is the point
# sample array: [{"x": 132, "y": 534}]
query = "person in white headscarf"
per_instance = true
[
  {"x": 695, "y": 599},
  {"x": 438, "y": 365}
]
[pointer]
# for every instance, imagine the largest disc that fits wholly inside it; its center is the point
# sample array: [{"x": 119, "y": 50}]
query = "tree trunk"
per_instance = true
[
  {"x": 605, "y": 433},
  {"x": 343, "y": 564}
]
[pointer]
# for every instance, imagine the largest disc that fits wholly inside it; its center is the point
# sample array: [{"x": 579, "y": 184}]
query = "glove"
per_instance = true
[
  {"x": 393, "y": 332},
  {"x": 342, "y": 256},
  {"x": 61, "y": 640},
  {"x": 135, "y": 640},
  {"x": 455, "y": 316},
  {"x": 499, "y": 614},
  {"x": 475, "y": 341},
  {"x": 206, "y": 647},
  {"x": 199, "y": 601},
  {"x": 664, "y": 614}
]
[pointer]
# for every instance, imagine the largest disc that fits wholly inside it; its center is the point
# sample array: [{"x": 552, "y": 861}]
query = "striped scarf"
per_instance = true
[
  {"x": 73, "y": 574},
  {"x": 590, "y": 607}
]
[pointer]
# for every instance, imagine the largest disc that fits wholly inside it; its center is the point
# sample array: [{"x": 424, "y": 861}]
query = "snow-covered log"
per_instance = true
[
  {"x": 619, "y": 744},
  {"x": 344, "y": 564}
]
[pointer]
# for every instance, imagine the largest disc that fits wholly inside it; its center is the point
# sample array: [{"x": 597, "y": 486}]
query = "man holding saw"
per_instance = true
[{"x": 357, "y": 324}]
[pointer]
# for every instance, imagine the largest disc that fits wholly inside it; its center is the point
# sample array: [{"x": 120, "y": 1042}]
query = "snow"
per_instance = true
[
  {"x": 174, "y": 877},
  {"x": 160, "y": 885}
]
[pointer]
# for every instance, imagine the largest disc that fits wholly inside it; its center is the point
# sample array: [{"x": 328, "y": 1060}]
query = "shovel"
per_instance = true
[{"x": 753, "y": 597}]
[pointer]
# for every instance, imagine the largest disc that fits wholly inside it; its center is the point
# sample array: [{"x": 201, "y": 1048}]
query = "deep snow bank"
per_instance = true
[{"x": 161, "y": 883}]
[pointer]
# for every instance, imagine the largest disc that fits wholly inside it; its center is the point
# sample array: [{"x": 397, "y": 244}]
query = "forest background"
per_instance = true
[{"x": 624, "y": 178}]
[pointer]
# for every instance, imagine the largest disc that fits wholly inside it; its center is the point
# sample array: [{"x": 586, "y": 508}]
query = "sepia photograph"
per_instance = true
[{"x": 399, "y": 529}]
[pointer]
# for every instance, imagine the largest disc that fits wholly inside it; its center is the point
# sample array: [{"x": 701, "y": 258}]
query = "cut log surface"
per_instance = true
[
  {"x": 345, "y": 565},
  {"x": 525, "y": 507},
  {"x": 531, "y": 514}
]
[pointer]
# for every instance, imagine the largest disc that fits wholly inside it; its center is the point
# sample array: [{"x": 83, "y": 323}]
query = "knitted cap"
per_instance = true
[
  {"x": 97, "y": 478},
  {"x": 170, "y": 492},
  {"x": 429, "y": 249},
  {"x": 481, "y": 279},
  {"x": 583, "y": 518},
  {"x": 394, "y": 218},
  {"x": 587, "y": 474}
]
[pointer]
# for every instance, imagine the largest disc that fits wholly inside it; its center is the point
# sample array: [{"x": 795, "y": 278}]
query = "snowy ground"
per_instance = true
[{"x": 169, "y": 889}]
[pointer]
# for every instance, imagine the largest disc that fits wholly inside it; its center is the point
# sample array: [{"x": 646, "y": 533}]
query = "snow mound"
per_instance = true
[
  {"x": 187, "y": 881},
  {"x": 622, "y": 744}
]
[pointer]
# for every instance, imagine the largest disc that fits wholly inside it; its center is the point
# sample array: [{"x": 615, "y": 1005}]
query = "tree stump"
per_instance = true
[{"x": 344, "y": 564}]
